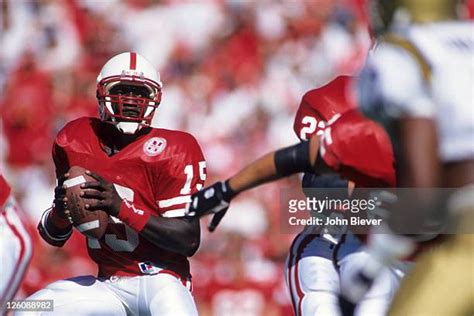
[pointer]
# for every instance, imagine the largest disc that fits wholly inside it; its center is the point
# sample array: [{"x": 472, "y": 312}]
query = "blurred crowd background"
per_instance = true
[{"x": 233, "y": 72}]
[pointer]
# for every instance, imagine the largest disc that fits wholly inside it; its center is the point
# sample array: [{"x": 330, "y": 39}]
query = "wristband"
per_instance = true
[
  {"x": 50, "y": 233},
  {"x": 132, "y": 216}
]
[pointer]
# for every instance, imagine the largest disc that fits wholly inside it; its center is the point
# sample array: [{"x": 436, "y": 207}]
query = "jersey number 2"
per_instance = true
[{"x": 310, "y": 125}]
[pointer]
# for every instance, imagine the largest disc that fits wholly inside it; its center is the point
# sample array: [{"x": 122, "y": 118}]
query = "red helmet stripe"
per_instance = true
[{"x": 133, "y": 61}]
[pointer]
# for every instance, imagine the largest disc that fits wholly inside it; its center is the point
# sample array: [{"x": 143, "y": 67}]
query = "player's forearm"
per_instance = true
[
  {"x": 259, "y": 172},
  {"x": 275, "y": 165},
  {"x": 180, "y": 235}
]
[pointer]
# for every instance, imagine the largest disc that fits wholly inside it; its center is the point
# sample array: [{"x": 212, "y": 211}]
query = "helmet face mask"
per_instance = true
[{"x": 128, "y": 91}]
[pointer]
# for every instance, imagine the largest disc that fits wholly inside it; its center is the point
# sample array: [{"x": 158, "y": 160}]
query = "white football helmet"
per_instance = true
[{"x": 128, "y": 91}]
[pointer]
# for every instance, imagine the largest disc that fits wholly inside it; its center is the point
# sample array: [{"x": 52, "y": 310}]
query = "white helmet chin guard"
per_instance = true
[{"x": 129, "y": 112}]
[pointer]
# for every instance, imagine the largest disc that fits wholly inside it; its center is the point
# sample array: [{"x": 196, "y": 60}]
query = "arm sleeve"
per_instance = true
[{"x": 185, "y": 174}]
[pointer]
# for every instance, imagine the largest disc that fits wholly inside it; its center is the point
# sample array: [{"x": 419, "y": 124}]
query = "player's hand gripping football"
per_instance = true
[
  {"x": 211, "y": 200},
  {"x": 104, "y": 196},
  {"x": 60, "y": 200}
]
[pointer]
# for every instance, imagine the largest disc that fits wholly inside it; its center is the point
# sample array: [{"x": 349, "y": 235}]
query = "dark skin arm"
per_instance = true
[
  {"x": 180, "y": 235},
  {"x": 418, "y": 166}
]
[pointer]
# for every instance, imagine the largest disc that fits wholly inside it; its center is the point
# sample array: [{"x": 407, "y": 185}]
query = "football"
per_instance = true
[{"x": 90, "y": 223}]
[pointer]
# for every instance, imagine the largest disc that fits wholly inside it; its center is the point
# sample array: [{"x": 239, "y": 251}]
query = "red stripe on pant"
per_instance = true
[
  {"x": 12, "y": 288},
  {"x": 293, "y": 261}
]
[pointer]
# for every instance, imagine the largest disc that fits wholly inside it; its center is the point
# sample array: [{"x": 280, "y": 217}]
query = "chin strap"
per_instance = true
[{"x": 128, "y": 127}]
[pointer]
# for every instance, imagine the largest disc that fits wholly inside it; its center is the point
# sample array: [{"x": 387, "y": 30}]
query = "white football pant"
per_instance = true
[
  {"x": 159, "y": 294},
  {"x": 315, "y": 283},
  {"x": 15, "y": 251}
]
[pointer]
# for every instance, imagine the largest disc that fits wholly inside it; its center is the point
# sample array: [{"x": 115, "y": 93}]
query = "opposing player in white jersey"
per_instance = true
[
  {"x": 15, "y": 246},
  {"x": 419, "y": 82}
]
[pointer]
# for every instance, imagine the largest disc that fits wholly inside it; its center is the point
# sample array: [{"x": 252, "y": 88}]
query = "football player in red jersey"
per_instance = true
[
  {"x": 311, "y": 276},
  {"x": 352, "y": 148},
  {"x": 320, "y": 256},
  {"x": 15, "y": 246},
  {"x": 144, "y": 178}
]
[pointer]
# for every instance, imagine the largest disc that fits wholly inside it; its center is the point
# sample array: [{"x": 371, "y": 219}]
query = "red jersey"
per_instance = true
[
  {"x": 157, "y": 172},
  {"x": 359, "y": 150},
  {"x": 4, "y": 190},
  {"x": 319, "y": 105},
  {"x": 355, "y": 147}
]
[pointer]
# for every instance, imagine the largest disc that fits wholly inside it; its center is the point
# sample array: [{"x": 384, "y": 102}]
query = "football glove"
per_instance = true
[{"x": 211, "y": 200}]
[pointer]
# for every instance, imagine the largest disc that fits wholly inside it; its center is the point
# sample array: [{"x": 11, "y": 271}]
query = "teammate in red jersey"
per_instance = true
[
  {"x": 15, "y": 246},
  {"x": 311, "y": 253},
  {"x": 312, "y": 277},
  {"x": 352, "y": 148},
  {"x": 144, "y": 178}
]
